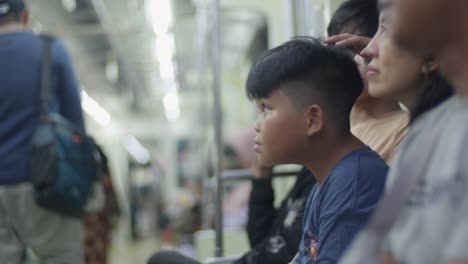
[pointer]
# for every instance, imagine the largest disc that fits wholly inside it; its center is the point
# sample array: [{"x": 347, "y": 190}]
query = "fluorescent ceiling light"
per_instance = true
[
  {"x": 69, "y": 5},
  {"x": 136, "y": 150},
  {"x": 159, "y": 14},
  {"x": 171, "y": 105},
  {"x": 91, "y": 107}
]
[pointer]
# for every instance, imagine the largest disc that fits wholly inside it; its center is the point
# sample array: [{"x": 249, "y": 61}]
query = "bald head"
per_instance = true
[
  {"x": 436, "y": 29},
  {"x": 425, "y": 27}
]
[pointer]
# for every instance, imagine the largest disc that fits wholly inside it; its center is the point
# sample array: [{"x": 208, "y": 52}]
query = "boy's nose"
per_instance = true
[{"x": 257, "y": 125}]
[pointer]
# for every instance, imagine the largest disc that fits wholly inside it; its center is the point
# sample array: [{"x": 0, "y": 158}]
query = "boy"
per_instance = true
[{"x": 305, "y": 92}]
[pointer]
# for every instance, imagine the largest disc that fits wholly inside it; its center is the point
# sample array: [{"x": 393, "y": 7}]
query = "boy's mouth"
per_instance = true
[{"x": 257, "y": 146}]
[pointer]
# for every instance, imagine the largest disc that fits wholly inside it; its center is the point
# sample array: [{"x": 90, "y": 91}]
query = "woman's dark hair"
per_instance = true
[
  {"x": 361, "y": 16},
  {"x": 436, "y": 89}
]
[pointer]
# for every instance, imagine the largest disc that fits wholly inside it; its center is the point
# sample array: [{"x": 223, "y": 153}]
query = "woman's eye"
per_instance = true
[
  {"x": 266, "y": 110},
  {"x": 383, "y": 29}
]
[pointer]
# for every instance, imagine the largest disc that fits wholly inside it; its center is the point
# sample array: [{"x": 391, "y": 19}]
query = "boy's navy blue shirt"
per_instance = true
[
  {"x": 338, "y": 209},
  {"x": 20, "y": 63}
]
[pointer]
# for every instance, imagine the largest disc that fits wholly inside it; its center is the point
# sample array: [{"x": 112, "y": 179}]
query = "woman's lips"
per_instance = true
[{"x": 371, "y": 71}]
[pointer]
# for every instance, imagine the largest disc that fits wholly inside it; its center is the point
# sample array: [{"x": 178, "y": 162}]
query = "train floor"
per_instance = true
[{"x": 133, "y": 252}]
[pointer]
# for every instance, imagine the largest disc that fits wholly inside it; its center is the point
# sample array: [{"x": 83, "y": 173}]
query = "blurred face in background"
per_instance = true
[
  {"x": 393, "y": 73},
  {"x": 423, "y": 26}
]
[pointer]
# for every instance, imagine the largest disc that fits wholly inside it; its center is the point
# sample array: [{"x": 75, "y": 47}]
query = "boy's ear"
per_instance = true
[{"x": 314, "y": 119}]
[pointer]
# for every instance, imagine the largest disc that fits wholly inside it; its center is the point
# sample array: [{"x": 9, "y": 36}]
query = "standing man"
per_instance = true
[{"x": 52, "y": 237}]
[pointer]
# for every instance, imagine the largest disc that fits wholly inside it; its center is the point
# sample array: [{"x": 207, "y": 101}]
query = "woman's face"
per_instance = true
[{"x": 392, "y": 73}]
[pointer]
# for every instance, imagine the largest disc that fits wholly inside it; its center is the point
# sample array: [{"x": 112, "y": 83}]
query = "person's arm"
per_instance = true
[
  {"x": 285, "y": 235},
  {"x": 454, "y": 251},
  {"x": 273, "y": 250},
  {"x": 68, "y": 86},
  {"x": 279, "y": 248},
  {"x": 261, "y": 206}
]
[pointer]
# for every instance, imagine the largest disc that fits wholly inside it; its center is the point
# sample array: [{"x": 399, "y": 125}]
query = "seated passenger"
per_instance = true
[
  {"x": 436, "y": 202},
  {"x": 305, "y": 92},
  {"x": 394, "y": 74},
  {"x": 275, "y": 234},
  {"x": 379, "y": 123}
]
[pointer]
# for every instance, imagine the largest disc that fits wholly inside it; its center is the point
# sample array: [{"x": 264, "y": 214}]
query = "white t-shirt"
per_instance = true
[{"x": 432, "y": 227}]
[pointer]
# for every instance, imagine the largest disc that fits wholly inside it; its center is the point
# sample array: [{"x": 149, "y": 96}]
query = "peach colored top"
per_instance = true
[{"x": 383, "y": 134}]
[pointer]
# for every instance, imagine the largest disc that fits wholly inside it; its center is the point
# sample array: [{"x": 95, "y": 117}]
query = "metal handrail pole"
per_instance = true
[
  {"x": 248, "y": 174},
  {"x": 218, "y": 129},
  {"x": 223, "y": 260},
  {"x": 233, "y": 176}
]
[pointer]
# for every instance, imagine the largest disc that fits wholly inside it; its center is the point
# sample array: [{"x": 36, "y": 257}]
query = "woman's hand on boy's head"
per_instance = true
[{"x": 352, "y": 42}]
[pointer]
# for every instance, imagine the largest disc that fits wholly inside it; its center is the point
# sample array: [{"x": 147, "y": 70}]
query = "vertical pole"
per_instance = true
[
  {"x": 203, "y": 67},
  {"x": 218, "y": 129},
  {"x": 288, "y": 21},
  {"x": 327, "y": 6}
]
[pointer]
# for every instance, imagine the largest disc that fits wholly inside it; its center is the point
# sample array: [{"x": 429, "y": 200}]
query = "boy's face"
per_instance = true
[{"x": 280, "y": 130}]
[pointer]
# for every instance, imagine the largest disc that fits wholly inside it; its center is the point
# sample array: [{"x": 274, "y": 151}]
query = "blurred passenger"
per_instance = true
[
  {"x": 53, "y": 237},
  {"x": 354, "y": 23},
  {"x": 99, "y": 224},
  {"x": 235, "y": 202},
  {"x": 186, "y": 209},
  {"x": 430, "y": 224},
  {"x": 378, "y": 122},
  {"x": 305, "y": 92}
]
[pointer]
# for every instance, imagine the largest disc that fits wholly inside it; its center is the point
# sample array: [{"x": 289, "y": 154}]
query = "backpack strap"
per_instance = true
[{"x": 46, "y": 69}]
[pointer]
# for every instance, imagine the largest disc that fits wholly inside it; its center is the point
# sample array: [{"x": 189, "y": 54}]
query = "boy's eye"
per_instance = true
[{"x": 263, "y": 108}]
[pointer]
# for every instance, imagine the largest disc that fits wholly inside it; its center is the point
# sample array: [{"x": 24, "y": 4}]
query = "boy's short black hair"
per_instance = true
[
  {"x": 360, "y": 16},
  {"x": 304, "y": 68}
]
